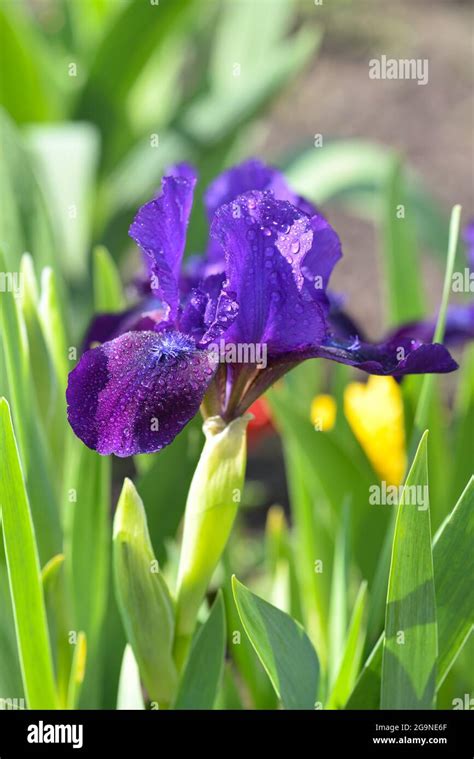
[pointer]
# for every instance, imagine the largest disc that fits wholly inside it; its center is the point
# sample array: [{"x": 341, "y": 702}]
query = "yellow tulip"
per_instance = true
[
  {"x": 323, "y": 412},
  {"x": 374, "y": 411}
]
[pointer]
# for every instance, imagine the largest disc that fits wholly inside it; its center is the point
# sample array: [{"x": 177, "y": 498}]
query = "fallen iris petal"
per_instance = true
[
  {"x": 159, "y": 228},
  {"x": 136, "y": 393}
]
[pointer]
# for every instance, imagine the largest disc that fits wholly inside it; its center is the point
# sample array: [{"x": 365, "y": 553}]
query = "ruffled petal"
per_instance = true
[
  {"x": 159, "y": 228},
  {"x": 136, "y": 393},
  {"x": 278, "y": 261},
  {"x": 210, "y": 310},
  {"x": 252, "y": 175}
]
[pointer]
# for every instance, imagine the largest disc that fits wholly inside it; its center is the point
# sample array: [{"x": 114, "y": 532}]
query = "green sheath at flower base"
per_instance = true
[
  {"x": 145, "y": 603},
  {"x": 211, "y": 507}
]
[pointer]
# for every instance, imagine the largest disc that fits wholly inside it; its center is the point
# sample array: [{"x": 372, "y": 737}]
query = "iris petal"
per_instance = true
[
  {"x": 210, "y": 310},
  {"x": 159, "y": 228},
  {"x": 136, "y": 393},
  {"x": 252, "y": 174},
  {"x": 278, "y": 261},
  {"x": 393, "y": 357}
]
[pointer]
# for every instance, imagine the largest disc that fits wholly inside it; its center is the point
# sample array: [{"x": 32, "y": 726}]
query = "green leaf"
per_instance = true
[
  {"x": 352, "y": 654},
  {"x": 31, "y": 440},
  {"x": 10, "y": 672},
  {"x": 338, "y": 606},
  {"x": 403, "y": 278},
  {"x": 108, "y": 291},
  {"x": 53, "y": 322},
  {"x": 25, "y": 223},
  {"x": 411, "y": 643},
  {"x": 454, "y": 569},
  {"x": 253, "y": 55},
  {"x": 260, "y": 690},
  {"x": 203, "y": 671},
  {"x": 144, "y": 600},
  {"x": 24, "y": 574},
  {"x": 283, "y": 648},
  {"x": 66, "y": 157},
  {"x": 112, "y": 74},
  {"x": 429, "y": 379},
  {"x": 453, "y": 566},
  {"x": 25, "y": 87},
  {"x": 86, "y": 501},
  {"x": 130, "y": 690},
  {"x": 59, "y": 613}
]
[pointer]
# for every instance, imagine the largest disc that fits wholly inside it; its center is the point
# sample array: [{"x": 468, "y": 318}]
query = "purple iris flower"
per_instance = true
[
  {"x": 468, "y": 237},
  {"x": 219, "y": 332}
]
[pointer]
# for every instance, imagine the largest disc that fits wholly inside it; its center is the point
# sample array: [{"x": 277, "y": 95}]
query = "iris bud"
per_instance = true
[{"x": 211, "y": 507}]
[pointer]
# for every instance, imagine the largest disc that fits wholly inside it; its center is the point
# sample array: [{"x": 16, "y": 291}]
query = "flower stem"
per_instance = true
[{"x": 211, "y": 507}]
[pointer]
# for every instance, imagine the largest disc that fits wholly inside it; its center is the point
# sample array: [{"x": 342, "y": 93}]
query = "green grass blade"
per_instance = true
[
  {"x": 411, "y": 643},
  {"x": 24, "y": 574},
  {"x": 352, "y": 654},
  {"x": 454, "y": 569},
  {"x": 421, "y": 417},
  {"x": 203, "y": 671},
  {"x": 338, "y": 606},
  {"x": 112, "y": 74},
  {"x": 87, "y": 549},
  {"x": 58, "y": 610},
  {"x": 52, "y": 320},
  {"x": 283, "y": 648},
  {"x": 30, "y": 436},
  {"x": 108, "y": 291},
  {"x": 404, "y": 295},
  {"x": 66, "y": 156}
]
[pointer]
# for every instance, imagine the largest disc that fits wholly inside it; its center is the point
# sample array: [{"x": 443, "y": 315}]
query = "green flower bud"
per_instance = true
[
  {"x": 145, "y": 603},
  {"x": 211, "y": 506}
]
